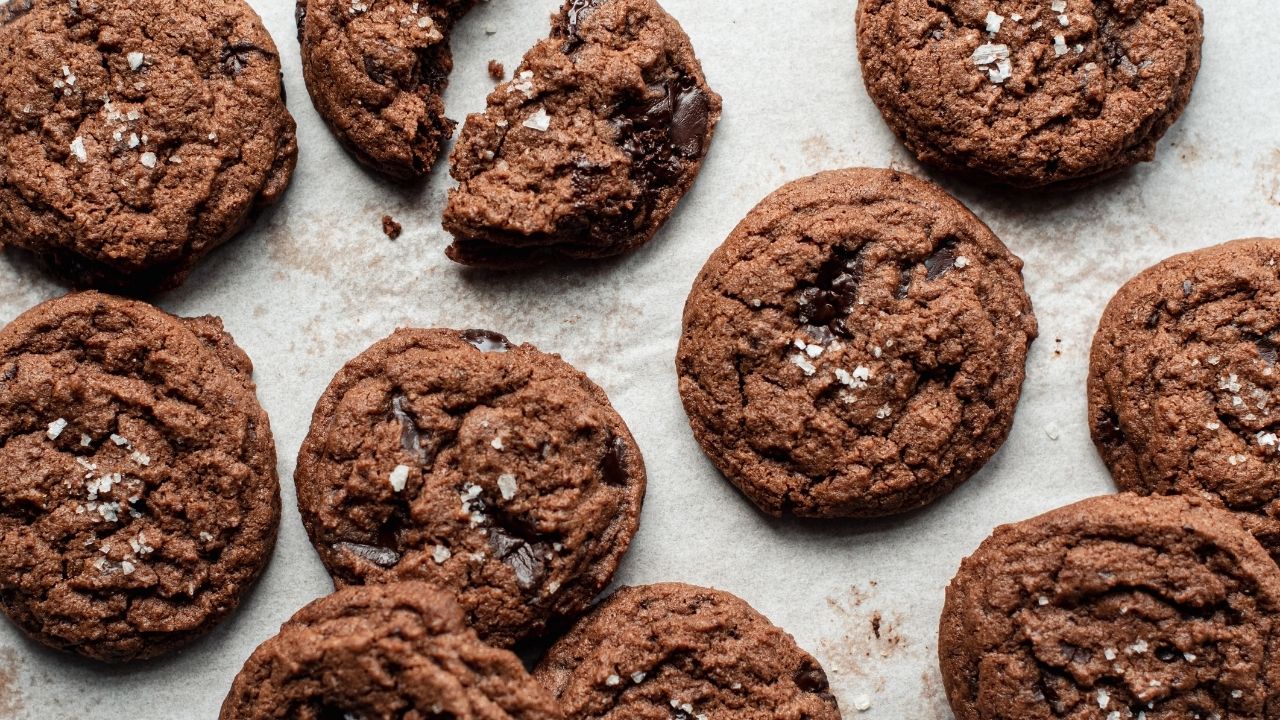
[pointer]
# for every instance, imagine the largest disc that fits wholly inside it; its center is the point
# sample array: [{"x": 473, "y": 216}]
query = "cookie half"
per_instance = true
[
  {"x": 856, "y": 347},
  {"x": 1115, "y": 607},
  {"x": 376, "y": 70},
  {"x": 587, "y": 151},
  {"x": 492, "y": 470},
  {"x": 1183, "y": 383},
  {"x": 391, "y": 651},
  {"x": 1030, "y": 93},
  {"x": 683, "y": 652},
  {"x": 138, "y": 491},
  {"x": 137, "y": 136}
]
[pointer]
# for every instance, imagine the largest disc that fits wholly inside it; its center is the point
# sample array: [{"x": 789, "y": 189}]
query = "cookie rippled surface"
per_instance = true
[
  {"x": 1183, "y": 381},
  {"x": 1030, "y": 93},
  {"x": 137, "y": 136},
  {"x": 679, "y": 652},
  {"x": 1115, "y": 607},
  {"x": 138, "y": 489},
  {"x": 492, "y": 470},
  {"x": 856, "y": 347}
]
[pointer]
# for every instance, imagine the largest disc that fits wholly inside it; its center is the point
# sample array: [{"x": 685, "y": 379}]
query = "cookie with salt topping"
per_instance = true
[
  {"x": 138, "y": 491},
  {"x": 135, "y": 137},
  {"x": 680, "y": 652},
  {"x": 1183, "y": 385},
  {"x": 377, "y": 652},
  {"x": 493, "y": 470},
  {"x": 1149, "y": 608},
  {"x": 376, "y": 71},
  {"x": 588, "y": 150},
  {"x": 1030, "y": 93},
  {"x": 856, "y": 347}
]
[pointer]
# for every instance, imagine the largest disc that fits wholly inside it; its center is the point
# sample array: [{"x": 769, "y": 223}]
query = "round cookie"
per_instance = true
[
  {"x": 678, "y": 652},
  {"x": 376, "y": 70},
  {"x": 1182, "y": 382},
  {"x": 138, "y": 491},
  {"x": 1030, "y": 93},
  {"x": 586, "y": 152},
  {"x": 137, "y": 136},
  {"x": 374, "y": 653},
  {"x": 855, "y": 348},
  {"x": 491, "y": 470},
  {"x": 1115, "y": 607}
]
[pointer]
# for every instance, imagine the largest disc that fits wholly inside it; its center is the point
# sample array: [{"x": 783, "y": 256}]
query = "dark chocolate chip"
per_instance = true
[
  {"x": 689, "y": 120},
  {"x": 615, "y": 462},
  {"x": 525, "y": 559},
  {"x": 1266, "y": 350},
  {"x": 942, "y": 260},
  {"x": 412, "y": 439},
  {"x": 235, "y": 57},
  {"x": 832, "y": 296},
  {"x": 384, "y": 557},
  {"x": 487, "y": 341}
]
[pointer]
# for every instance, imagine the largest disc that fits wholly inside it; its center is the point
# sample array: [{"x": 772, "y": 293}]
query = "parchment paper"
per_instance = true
[{"x": 316, "y": 282}]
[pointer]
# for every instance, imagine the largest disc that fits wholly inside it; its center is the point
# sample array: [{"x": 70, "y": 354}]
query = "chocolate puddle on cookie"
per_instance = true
[{"x": 826, "y": 303}]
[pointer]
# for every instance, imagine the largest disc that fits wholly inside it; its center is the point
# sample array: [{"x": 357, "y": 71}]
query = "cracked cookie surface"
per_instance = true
[
  {"x": 376, "y": 70},
  {"x": 588, "y": 150},
  {"x": 1183, "y": 377},
  {"x": 384, "y": 652},
  {"x": 856, "y": 347},
  {"x": 492, "y": 470},
  {"x": 138, "y": 490},
  {"x": 679, "y": 652},
  {"x": 135, "y": 137},
  {"x": 1115, "y": 607},
  {"x": 1030, "y": 93}
]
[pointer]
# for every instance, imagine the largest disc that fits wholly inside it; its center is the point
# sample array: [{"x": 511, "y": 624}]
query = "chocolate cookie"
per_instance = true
[
  {"x": 678, "y": 652},
  {"x": 138, "y": 490},
  {"x": 1030, "y": 93},
  {"x": 587, "y": 151},
  {"x": 376, "y": 70},
  {"x": 856, "y": 348},
  {"x": 376, "y": 653},
  {"x": 137, "y": 136},
  {"x": 1182, "y": 381},
  {"x": 491, "y": 470},
  {"x": 1115, "y": 607}
]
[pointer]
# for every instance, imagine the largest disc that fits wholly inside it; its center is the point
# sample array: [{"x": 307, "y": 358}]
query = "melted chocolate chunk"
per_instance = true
[
  {"x": 524, "y": 558},
  {"x": 384, "y": 557},
  {"x": 813, "y": 680},
  {"x": 411, "y": 439},
  {"x": 615, "y": 462},
  {"x": 235, "y": 57},
  {"x": 828, "y": 302},
  {"x": 487, "y": 341},
  {"x": 1266, "y": 350},
  {"x": 660, "y": 134},
  {"x": 942, "y": 260}
]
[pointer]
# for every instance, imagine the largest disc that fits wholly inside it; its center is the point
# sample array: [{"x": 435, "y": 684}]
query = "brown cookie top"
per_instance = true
[
  {"x": 137, "y": 136},
  {"x": 1182, "y": 381},
  {"x": 587, "y": 151},
  {"x": 492, "y": 470},
  {"x": 856, "y": 347},
  {"x": 1115, "y": 607},
  {"x": 1030, "y": 92},
  {"x": 387, "y": 652},
  {"x": 138, "y": 489},
  {"x": 376, "y": 70},
  {"x": 679, "y": 652}
]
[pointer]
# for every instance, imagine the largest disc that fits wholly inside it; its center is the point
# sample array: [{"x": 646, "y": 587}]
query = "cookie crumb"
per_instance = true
[
  {"x": 496, "y": 70},
  {"x": 390, "y": 227}
]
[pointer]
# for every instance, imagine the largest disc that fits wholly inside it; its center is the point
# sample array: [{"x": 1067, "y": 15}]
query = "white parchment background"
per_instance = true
[{"x": 316, "y": 282}]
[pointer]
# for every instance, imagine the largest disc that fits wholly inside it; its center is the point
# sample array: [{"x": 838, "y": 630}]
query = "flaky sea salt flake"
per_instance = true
[{"x": 55, "y": 428}]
